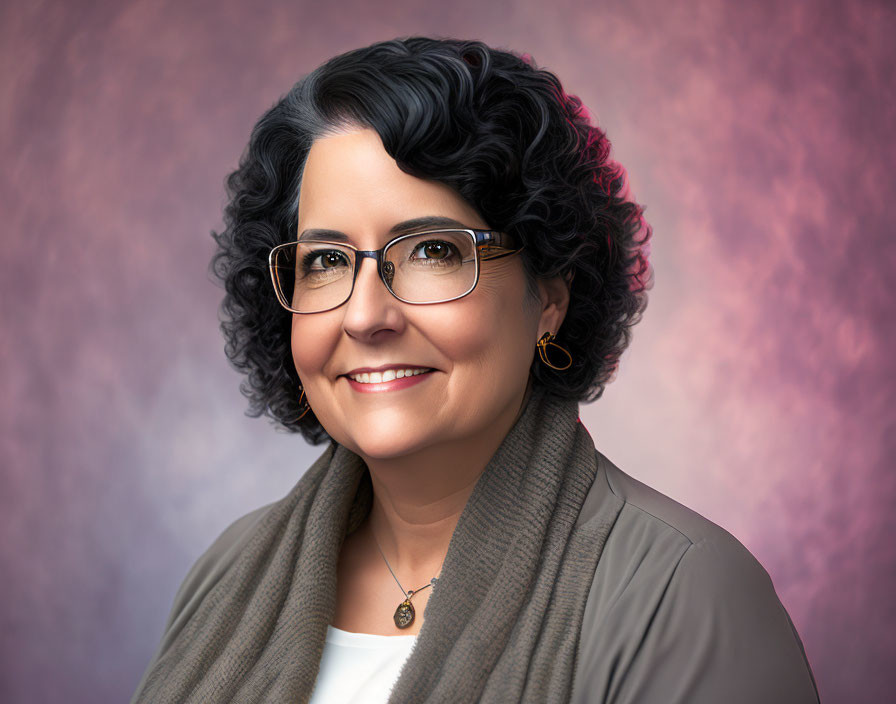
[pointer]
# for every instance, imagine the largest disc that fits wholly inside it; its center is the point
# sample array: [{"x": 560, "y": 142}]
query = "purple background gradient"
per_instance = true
[{"x": 758, "y": 389}]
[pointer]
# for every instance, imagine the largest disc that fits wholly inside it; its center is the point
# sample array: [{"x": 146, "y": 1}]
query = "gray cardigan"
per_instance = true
[{"x": 678, "y": 612}]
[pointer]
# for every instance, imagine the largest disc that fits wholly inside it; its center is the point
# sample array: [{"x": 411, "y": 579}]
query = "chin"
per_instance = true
[
  {"x": 382, "y": 435},
  {"x": 379, "y": 447}
]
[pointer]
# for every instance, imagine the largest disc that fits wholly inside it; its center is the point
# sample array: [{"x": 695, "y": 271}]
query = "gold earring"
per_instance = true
[
  {"x": 542, "y": 345},
  {"x": 307, "y": 407}
]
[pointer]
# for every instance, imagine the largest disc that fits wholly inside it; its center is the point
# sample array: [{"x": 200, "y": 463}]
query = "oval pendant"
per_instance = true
[{"x": 404, "y": 614}]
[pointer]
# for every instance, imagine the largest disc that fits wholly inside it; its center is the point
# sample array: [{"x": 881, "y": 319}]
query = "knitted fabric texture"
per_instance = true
[{"x": 501, "y": 625}]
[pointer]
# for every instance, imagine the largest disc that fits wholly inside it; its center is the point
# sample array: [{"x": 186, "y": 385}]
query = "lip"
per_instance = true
[
  {"x": 362, "y": 370},
  {"x": 394, "y": 385}
]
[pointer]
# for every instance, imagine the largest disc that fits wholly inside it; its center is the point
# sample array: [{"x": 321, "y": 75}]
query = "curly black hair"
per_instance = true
[{"x": 497, "y": 129}]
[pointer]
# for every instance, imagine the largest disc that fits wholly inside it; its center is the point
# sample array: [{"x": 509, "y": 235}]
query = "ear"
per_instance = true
[{"x": 554, "y": 293}]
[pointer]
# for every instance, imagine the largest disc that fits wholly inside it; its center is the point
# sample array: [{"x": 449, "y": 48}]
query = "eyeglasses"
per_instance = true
[{"x": 314, "y": 276}]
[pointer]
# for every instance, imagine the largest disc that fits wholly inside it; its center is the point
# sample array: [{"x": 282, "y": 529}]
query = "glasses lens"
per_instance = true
[
  {"x": 313, "y": 276},
  {"x": 431, "y": 267}
]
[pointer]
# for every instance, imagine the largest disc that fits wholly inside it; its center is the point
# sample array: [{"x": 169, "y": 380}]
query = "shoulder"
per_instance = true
[
  {"x": 651, "y": 536},
  {"x": 654, "y": 533},
  {"x": 680, "y": 610},
  {"x": 200, "y": 579},
  {"x": 213, "y": 562},
  {"x": 658, "y": 510}
]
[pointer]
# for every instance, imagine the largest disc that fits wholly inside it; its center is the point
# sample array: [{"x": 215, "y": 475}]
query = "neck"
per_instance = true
[{"x": 418, "y": 498}]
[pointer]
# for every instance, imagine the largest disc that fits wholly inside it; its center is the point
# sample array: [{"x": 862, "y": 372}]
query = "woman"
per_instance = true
[{"x": 429, "y": 262}]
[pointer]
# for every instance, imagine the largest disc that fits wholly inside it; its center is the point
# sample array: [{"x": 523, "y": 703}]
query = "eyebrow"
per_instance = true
[{"x": 421, "y": 223}]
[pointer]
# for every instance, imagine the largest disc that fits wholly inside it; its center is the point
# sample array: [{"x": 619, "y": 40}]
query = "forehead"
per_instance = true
[{"x": 350, "y": 182}]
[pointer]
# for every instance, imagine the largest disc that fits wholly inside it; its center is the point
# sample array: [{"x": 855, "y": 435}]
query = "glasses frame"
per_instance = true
[{"x": 487, "y": 245}]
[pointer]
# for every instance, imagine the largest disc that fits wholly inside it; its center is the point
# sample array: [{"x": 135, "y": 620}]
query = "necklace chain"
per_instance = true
[{"x": 407, "y": 594}]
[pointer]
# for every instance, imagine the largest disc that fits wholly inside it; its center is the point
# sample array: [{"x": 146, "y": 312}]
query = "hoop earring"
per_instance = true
[
  {"x": 542, "y": 345},
  {"x": 307, "y": 407}
]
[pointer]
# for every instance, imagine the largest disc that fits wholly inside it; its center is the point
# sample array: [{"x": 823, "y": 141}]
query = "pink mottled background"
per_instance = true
[{"x": 758, "y": 389}]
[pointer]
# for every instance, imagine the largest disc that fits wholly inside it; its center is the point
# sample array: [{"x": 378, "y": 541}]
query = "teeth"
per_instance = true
[{"x": 388, "y": 375}]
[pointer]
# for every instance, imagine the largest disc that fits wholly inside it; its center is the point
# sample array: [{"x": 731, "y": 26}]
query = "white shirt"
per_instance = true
[{"x": 359, "y": 668}]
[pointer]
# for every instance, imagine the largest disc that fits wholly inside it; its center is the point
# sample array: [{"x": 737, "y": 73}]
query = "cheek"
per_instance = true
[
  {"x": 489, "y": 336},
  {"x": 311, "y": 344}
]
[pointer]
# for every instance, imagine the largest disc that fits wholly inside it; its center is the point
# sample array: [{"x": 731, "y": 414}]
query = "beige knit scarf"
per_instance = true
[{"x": 501, "y": 625}]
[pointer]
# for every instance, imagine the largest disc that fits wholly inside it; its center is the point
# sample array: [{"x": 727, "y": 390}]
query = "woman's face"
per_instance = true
[{"x": 479, "y": 347}]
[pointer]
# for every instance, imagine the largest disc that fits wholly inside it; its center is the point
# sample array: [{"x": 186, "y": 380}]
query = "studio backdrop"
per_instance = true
[{"x": 758, "y": 389}]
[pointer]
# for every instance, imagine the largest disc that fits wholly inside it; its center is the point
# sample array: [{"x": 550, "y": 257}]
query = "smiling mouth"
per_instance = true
[{"x": 387, "y": 375}]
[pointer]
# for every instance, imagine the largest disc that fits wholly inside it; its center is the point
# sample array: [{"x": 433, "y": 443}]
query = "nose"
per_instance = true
[{"x": 371, "y": 312}]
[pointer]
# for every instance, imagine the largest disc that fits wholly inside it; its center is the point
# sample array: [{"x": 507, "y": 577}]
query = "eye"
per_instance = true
[
  {"x": 433, "y": 249},
  {"x": 324, "y": 259}
]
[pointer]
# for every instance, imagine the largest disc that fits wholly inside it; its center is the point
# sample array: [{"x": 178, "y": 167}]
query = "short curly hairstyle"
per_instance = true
[{"x": 491, "y": 125}]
